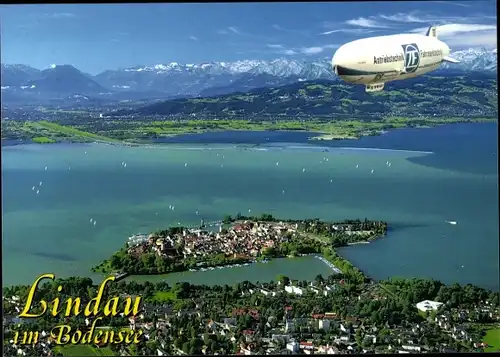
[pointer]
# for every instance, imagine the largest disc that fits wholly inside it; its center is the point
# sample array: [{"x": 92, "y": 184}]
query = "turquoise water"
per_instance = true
[{"x": 51, "y": 231}]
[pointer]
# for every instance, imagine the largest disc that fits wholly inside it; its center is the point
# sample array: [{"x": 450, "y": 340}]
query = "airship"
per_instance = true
[{"x": 374, "y": 61}]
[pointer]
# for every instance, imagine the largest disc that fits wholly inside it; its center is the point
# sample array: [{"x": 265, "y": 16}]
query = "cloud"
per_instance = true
[
  {"x": 365, "y": 22},
  {"x": 405, "y": 17},
  {"x": 363, "y": 30},
  {"x": 275, "y": 46},
  {"x": 316, "y": 49},
  {"x": 313, "y": 50},
  {"x": 193, "y": 38},
  {"x": 453, "y": 29},
  {"x": 59, "y": 15},
  {"x": 296, "y": 32},
  {"x": 234, "y": 30},
  {"x": 429, "y": 19},
  {"x": 230, "y": 29},
  {"x": 487, "y": 39},
  {"x": 454, "y": 3},
  {"x": 465, "y": 35}
]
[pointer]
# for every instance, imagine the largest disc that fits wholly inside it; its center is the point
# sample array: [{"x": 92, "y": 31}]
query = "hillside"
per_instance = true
[{"x": 473, "y": 95}]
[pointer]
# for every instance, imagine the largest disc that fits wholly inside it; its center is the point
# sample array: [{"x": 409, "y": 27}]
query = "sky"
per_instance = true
[{"x": 97, "y": 37}]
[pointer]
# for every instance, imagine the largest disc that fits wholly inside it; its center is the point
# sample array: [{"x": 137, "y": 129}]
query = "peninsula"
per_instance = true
[{"x": 246, "y": 240}]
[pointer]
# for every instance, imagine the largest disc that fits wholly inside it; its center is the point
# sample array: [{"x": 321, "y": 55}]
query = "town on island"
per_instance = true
[{"x": 345, "y": 312}]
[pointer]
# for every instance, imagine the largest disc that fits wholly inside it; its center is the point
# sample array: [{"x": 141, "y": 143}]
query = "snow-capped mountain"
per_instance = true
[
  {"x": 213, "y": 78},
  {"x": 474, "y": 60},
  {"x": 279, "y": 67},
  {"x": 17, "y": 74},
  {"x": 471, "y": 59},
  {"x": 192, "y": 79}
]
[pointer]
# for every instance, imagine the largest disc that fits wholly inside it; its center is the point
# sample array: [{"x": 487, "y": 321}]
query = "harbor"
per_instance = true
[
  {"x": 265, "y": 261},
  {"x": 299, "y": 268},
  {"x": 330, "y": 265}
]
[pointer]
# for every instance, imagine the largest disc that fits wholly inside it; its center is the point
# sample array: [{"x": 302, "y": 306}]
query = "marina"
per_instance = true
[
  {"x": 300, "y": 268},
  {"x": 330, "y": 265},
  {"x": 230, "y": 266}
]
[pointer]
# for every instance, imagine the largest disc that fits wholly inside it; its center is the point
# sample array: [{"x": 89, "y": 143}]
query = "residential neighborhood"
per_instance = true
[
  {"x": 285, "y": 317},
  {"x": 245, "y": 240}
]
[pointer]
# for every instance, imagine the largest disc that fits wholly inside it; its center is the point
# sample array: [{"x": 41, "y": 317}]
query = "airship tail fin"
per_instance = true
[
  {"x": 451, "y": 60},
  {"x": 432, "y": 32}
]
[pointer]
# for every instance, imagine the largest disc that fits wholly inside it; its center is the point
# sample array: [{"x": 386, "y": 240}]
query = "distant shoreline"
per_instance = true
[
  {"x": 318, "y": 130},
  {"x": 182, "y": 146}
]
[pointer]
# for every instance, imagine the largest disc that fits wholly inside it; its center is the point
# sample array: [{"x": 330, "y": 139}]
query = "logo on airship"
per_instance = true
[{"x": 412, "y": 57}]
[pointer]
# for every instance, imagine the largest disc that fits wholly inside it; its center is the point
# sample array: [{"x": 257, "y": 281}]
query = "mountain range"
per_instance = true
[{"x": 65, "y": 84}]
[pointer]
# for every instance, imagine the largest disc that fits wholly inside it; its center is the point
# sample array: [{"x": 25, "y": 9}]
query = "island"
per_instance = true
[
  {"x": 343, "y": 313},
  {"x": 246, "y": 240}
]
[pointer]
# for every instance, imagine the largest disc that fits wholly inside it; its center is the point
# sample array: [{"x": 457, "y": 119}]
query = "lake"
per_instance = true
[{"x": 284, "y": 175}]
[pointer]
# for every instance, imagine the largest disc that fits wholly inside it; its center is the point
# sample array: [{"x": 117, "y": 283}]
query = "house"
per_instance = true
[
  {"x": 267, "y": 292},
  {"x": 330, "y": 315},
  {"x": 306, "y": 345},
  {"x": 314, "y": 290},
  {"x": 324, "y": 324},
  {"x": 293, "y": 347},
  {"x": 293, "y": 290},
  {"x": 370, "y": 339},
  {"x": 161, "y": 352},
  {"x": 329, "y": 350},
  {"x": 412, "y": 348},
  {"x": 290, "y": 326},
  {"x": 428, "y": 305}
]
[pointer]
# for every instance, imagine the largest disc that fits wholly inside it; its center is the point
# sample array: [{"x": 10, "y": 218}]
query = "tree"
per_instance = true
[
  {"x": 284, "y": 280},
  {"x": 319, "y": 279}
]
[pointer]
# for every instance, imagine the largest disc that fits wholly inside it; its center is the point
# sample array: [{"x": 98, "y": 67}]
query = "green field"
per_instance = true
[
  {"x": 84, "y": 350},
  {"x": 329, "y": 129},
  {"x": 43, "y": 140},
  {"x": 492, "y": 338},
  {"x": 70, "y": 131},
  {"x": 164, "y": 296}
]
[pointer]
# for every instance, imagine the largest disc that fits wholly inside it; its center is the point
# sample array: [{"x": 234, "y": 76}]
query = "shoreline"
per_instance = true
[
  {"x": 283, "y": 239},
  {"x": 319, "y": 133}
]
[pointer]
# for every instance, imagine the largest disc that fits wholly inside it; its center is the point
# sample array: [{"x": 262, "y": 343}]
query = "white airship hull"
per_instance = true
[{"x": 377, "y": 60}]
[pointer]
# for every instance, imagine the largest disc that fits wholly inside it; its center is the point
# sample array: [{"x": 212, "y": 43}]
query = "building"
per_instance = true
[
  {"x": 428, "y": 305},
  {"x": 293, "y": 347},
  {"x": 289, "y": 326},
  {"x": 324, "y": 325},
  {"x": 293, "y": 290}
]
